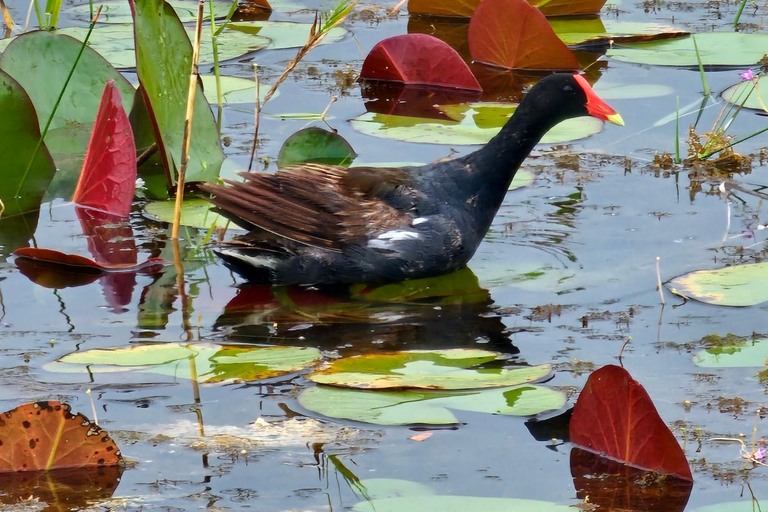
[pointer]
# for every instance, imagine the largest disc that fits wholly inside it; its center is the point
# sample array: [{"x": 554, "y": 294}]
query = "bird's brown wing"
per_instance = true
[{"x": 318, "y": 205}]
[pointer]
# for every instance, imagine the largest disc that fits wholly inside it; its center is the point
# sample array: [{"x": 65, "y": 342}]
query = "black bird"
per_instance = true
[{"x": 320, "y": 224}]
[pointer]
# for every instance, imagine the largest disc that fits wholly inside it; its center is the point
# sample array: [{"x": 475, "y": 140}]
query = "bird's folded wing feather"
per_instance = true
[{"x": 318, "y": 205}]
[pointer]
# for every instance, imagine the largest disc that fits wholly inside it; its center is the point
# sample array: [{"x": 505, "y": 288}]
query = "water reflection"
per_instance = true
[{"x": 433, "y": 313}]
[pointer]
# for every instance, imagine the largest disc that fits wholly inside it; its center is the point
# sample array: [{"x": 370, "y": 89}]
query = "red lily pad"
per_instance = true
[
  {"x": 614, "y": 416},
  {"x": 108, "y": 179},
  {"x": 418, "y": 59},
  {"x": 83, "y": 265},
  {"x": 513, "y": 34},
  {"x": 46, "y": 435}
]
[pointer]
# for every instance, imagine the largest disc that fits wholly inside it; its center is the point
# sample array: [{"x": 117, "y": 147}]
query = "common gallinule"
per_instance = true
[{"x": 320, "y": 224}]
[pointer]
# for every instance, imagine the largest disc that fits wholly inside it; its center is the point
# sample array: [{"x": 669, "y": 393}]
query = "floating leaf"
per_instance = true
[
  {"x": 427, "y": 407},
  {"x": 234, "y": 90},
  {"x": 459, "y": 287},
  {"x": 46, "y": 436},
  {"x": 748, "y": 94},
  {"x": 315, "y": 145},
  {"x": 213, "y": 363},
  {"x": 513, "y": 34},
  {"x": 83, "y": 265},
  {"x": 522, "y": 178},
  {"x": 614, "y": 416},
  {"x": 748, "y": 504},
  {"x": 596, "y": 31},
  {"x": 164, "y": 57},
  {"x": 745, "y": 355},
  {"x": 418, "y": 59},
  {"x": 115, "y": 42},
  {"x": 21, "y": 191},
  {"x": 714, "y": 49},
  {"x": 739, "y": 285},
  {"x": 118, "y": 11},
  {"x": 468, "y": 131},
  {"x": 458, "y": 504},
  {"x": 108, "y": 179},
  {"x": 195, "y": 213},
  {"x": 426, "y": 369}
]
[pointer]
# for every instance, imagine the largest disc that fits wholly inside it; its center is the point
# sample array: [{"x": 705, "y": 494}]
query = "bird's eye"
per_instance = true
[{"x": 567, "y": 88}]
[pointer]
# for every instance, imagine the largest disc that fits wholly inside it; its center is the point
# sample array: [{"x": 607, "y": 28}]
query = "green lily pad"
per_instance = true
[
  {"x": 213, "y": 363},
  {"x": 164, "y": 56},
  {"x": 380, "y": 488},
  {"x": 581, "y": 31},
  {"x": 747, "y": 95},
  {"x": 426, "y": 369},
  {"x": 459, "y": 287},
  {"x": 458, "y": 504},
  {"x": 750, "y": 354},
  {"x": 427, "y": 407},
  {"x": 739, "y": 285},
  {"x": 195, "y": 213},
  {"x": 115, "y": 41},
  {"x": 19, "y": 135},
  {"x": 714, "y": 48},
  {"x": 234, "y": 90},
  {"x": 315, "y": 145},
  {"x": 611, "y": 91},
  {"x": 118, "y": 11},
  {"x": 523, "y": 178},
  {"x": 477, "y": 125}
]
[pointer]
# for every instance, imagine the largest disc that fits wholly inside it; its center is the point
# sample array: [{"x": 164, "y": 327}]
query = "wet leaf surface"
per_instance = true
[
  {"x": 413, "y": 407},
  {"x": 457, "y": 504},
  {"x": 418, "y": 59},
  {"x": 739, "y": 285},
  {"x": 315, "y": 145},
  {"x": 47, "y": 436},
  {"x": 615, "y": 417},
  {"x": 513, "y": 34},
  {"x": 81, "y": 264},
  {"x": 714, "y": 49},
  {"x": 446, "y": 369},
  {"x": 206, "y": 363},
  {"x": 195, "y": 213},
  {"x": 164, "y": 58},
  {"x": 108, "y": 178},
  {"x": 477, "y": 126}
]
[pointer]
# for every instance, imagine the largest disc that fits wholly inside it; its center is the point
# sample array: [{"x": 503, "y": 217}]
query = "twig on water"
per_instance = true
[{"x": 658, "y": 280}]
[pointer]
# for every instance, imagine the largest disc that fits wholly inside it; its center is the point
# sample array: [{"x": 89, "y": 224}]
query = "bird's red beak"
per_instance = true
[{"x": 597, "y": 107}]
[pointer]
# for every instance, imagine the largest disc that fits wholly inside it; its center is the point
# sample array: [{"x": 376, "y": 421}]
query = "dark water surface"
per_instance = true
[{"x": 570, "y": 271}]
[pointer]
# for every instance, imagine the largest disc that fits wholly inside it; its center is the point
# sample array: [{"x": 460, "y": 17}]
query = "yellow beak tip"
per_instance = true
[{"x": 615, "y": 119}]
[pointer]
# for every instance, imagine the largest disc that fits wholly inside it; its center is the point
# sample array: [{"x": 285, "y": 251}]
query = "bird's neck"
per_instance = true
[{"x": 492, "y": 168}]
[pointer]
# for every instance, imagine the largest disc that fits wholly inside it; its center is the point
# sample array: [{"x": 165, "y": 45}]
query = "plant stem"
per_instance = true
[
  {"x": 677, "y": 131},
  {"x": 738, "y": 14},
  {"x": 193, "y": 78}
]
